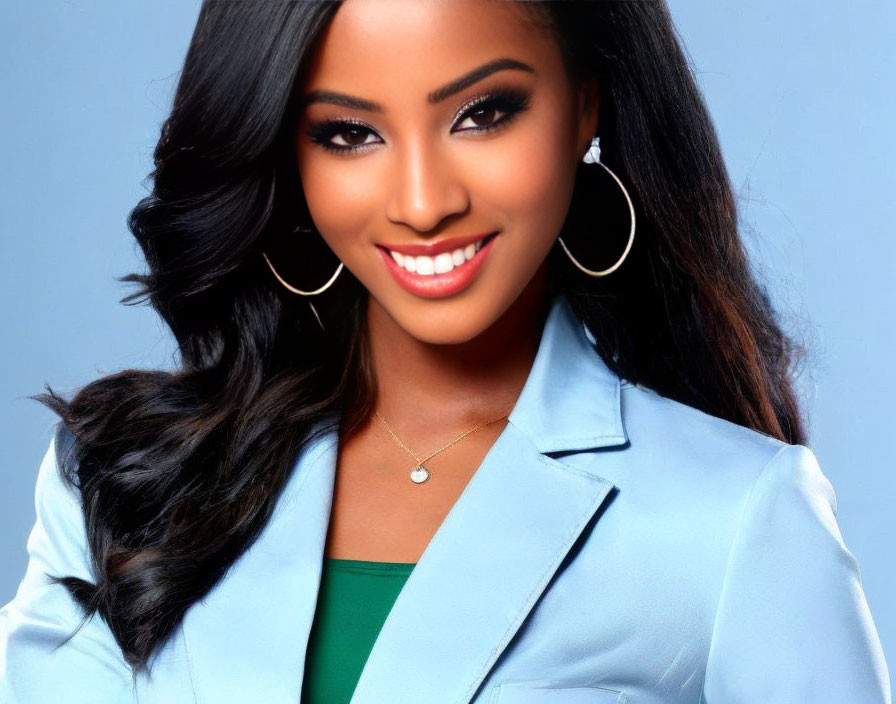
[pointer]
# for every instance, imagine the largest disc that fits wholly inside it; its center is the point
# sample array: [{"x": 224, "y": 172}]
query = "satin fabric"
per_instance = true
[{"x": 613, "y": 546}]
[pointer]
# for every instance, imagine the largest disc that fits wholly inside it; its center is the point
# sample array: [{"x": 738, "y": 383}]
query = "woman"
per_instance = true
[{"x": 478, "y": 401}]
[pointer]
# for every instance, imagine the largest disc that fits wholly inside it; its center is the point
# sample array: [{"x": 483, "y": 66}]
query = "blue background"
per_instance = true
[{"x": 802, "y": 95}]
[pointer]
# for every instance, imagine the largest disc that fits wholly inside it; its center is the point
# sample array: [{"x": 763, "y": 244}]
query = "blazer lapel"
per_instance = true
[
  {"x": 479, "y": 577},
  {"x": 246, "y": 639},
  {"x": 507, "y": 534}
]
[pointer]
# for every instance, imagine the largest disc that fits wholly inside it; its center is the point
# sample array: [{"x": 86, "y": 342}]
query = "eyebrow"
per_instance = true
[{"x": 436, "y": 96}]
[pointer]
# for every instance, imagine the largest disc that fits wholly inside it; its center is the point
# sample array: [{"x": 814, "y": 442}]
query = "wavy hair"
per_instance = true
[{"x": 180, "y": 470}]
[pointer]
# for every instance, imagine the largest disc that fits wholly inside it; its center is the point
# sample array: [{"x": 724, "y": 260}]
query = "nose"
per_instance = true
[{"x": 425, "y": 188}]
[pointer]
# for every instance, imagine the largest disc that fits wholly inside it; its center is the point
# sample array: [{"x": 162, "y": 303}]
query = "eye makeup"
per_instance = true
[{"x": 509, "y": 102}]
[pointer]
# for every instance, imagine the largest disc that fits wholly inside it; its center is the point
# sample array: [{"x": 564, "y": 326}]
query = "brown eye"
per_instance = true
[
  {"x": 353, "y": 137},
  {"x": 492, "y": 111},
  {"x": 341, "y": 135},
  {"x": 483, "y": 116}
]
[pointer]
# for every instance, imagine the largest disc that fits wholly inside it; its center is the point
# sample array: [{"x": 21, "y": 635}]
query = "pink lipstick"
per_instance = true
[{"x": 442, "y": 268}]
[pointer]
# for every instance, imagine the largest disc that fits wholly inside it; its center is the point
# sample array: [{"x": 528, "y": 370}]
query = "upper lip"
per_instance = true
[{"x": 430, "y": 249}]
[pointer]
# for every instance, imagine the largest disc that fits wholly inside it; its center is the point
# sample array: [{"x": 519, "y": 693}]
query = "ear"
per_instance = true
[{"x": 589, "y": 113}]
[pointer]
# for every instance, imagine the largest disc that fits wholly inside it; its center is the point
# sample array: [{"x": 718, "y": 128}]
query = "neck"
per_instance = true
[{"x": 421, "y": 386}]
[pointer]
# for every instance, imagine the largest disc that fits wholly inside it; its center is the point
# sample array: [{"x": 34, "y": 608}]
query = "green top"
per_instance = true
[{"x": 354, "y": 599}]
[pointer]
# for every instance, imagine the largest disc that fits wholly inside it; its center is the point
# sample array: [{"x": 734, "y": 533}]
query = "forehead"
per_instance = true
[{"x": 372, "y": 45}]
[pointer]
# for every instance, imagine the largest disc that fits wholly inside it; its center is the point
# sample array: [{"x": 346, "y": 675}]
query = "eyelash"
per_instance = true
[{"x": 509, "y": 102}]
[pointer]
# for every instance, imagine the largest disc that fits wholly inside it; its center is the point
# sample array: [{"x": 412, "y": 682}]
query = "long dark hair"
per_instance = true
[{"x": 180, "y": 470}]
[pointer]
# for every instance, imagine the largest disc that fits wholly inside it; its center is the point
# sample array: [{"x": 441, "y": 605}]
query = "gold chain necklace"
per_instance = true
[{"x": 420, "y": 473}]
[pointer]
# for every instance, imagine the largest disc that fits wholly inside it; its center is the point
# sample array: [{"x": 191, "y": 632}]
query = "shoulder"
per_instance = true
[
  {"x": 59, "y": 535},
  {"x": 647, "y": 411},
  {"x": 711, "y": 470},
  {"x": 690, "y": 437},
  {"x": 43, "y": 615},
  {"x": 56, "y": 481}
]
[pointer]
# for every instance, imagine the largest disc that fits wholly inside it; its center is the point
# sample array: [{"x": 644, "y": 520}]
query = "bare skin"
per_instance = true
[
  {"x": 378, "y": 513},
  {"x": 417, "y": 171}
]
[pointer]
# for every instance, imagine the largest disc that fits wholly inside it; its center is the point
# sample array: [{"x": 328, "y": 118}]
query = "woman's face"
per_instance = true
[{"x": 430, "y": 121}]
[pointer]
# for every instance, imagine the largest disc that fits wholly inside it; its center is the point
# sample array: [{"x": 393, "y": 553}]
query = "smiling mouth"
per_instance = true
[{"x": 443, "y": 263}]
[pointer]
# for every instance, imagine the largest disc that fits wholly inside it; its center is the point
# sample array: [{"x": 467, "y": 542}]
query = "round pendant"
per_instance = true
[{"x": 419, "y": 474}]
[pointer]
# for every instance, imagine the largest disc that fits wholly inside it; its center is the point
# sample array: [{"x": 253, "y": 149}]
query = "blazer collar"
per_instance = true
[
  {"x": 481, "y": 575},
  {"x": 571, "y": 399}
]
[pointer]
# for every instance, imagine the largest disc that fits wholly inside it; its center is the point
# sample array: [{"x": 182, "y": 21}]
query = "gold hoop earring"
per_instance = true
[
  {"x": 315, "y": 292},
  {"x": 593, "y": 157},
  {"x": 299, "y": 291}
]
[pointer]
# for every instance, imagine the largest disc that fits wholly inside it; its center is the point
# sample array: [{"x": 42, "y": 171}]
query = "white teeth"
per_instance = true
[
  {"x": 443, "y": 263},
  {"x": 425, "y": 265},
  {"x": 440, "y": 264}
]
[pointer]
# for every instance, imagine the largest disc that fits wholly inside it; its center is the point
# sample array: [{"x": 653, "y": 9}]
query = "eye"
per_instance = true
[
  {"x": 493, "y": 110},
  {"x": 483, "y": 116},
  {"x": 352, "y": 135}
]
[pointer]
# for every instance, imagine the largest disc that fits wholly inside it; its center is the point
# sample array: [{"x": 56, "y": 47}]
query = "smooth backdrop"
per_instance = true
[{"x": 802, "y": 95}]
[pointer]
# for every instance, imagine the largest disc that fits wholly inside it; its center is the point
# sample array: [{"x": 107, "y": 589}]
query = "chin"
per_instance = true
[
  {"x": 454, "y": 329},
  {"x": 444, "y": 334}
]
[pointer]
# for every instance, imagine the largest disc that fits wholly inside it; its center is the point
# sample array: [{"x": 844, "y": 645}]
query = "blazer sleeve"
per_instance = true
[
  {"x": 792, "y": 623},
  {"x": 35, "y": 665}
]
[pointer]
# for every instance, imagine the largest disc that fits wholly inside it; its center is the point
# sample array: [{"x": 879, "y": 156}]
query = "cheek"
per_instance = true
[
  {"x": 529, "y": 181},
  {"x": 340, "y": 198}
]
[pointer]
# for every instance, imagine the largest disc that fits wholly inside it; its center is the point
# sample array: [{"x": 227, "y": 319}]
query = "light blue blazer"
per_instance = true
[{"x": 614, "y": 546}]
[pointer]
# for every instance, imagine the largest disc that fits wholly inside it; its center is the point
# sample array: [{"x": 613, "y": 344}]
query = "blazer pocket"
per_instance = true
[{"x": 523, "y": 693}]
